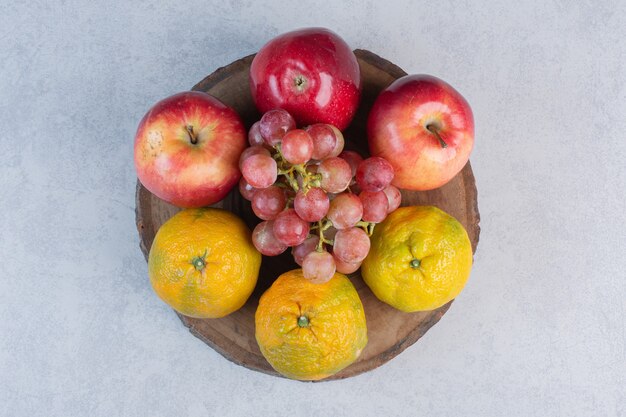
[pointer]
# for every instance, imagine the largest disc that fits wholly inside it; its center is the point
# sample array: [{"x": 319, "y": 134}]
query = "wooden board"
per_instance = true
[{"x": 389, "y": 330}]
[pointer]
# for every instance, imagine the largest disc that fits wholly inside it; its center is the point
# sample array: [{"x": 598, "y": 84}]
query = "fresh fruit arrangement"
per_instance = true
[{"x": 312, "y": 191}]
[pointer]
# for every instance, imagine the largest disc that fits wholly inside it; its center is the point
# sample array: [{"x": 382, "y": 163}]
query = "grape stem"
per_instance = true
[
  {"x": 316, "y": 179},
  {"x": 300, "y": 169},
  {"x": 291, "y": 173},
  {"x": 292, "y": 180},
  {"x": 322, "y": 225},
  {"x": 368, "y": 227}
]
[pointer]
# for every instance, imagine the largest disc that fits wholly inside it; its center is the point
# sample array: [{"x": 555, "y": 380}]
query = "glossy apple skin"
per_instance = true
[
  {"x": 178, "y": 171},
  {"x": 396, "y": 129},
  {"x": 312, "y": 73}
]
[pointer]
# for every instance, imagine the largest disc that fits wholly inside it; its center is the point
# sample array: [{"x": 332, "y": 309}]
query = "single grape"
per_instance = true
[
  {"x": 394, "y": 198},
  {"x": 346, "y": 267},
  {"x": 374, "y": 174},
  {"x": 297, "y": 147},
  {"x": 375, "y": 206},
  {"x": 247, "y": 191},
  {"x": 324, "y": 140},
  {"x": 352, "y": 158},
  {"x": 254, "y": 135},
  {"x": 336, "y": 174},
  {"x": 318, "y": 267},
  {"x": 264, "y": 240},
  {"x": 252, "y": 150},
  {"x": 274, "y": 124},
  {"x": 311, "y": 206},
  {"x": 340, "y": 141},
  {"x": 304, "y": 248},
  {"x": 289, "y": 228},
  {"x": 345, "y": 210},
  {"x": 268, "y": 202},
  {"x": 259, "y": 170},
  {"x": 351, "y": 245}
]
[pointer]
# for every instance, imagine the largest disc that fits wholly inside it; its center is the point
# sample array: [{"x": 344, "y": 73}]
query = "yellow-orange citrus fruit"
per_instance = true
[
  {"x": 420, "y": 258},
  {"x": 310, "y": 331},
  {"x": 203, "y": 263}
]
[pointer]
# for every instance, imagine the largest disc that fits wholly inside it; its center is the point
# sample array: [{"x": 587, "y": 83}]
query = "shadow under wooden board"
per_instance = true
[{"x": 390, "y": 331}]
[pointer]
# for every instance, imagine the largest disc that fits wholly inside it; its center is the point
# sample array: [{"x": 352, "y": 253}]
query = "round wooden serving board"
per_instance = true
[{"x": 390, "y": 331}]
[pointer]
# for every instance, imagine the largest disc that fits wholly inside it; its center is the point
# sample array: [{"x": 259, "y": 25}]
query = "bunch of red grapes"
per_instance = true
[{"x": 312, "y": 195}]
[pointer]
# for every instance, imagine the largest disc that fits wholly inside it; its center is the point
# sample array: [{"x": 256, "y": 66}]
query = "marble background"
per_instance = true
[{"x": 540, "y": 327}]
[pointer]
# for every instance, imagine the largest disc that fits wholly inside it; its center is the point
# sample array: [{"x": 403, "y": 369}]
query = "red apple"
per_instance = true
[
  {"x": 424, "y": 128},
  {"x": 312, "y": 73},
  {"x": 187, "y": 149}
]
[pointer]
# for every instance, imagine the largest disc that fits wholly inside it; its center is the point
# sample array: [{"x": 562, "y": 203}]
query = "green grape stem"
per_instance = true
[
  {"x": 292, "y": 180},
  {"x": 292, "y": 172},
  {"x": 368, "y": 227},
  {"x": 321, "y": 226}
]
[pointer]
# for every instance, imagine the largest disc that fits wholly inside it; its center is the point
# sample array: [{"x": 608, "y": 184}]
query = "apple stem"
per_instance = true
[
  {"x": 433, "y": 129},
  {"x": 192, "y": 135}
]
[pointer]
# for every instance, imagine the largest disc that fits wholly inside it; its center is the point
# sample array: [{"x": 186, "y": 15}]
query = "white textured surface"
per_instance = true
[{"x": 540, "y": 328}]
